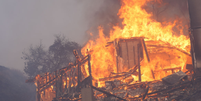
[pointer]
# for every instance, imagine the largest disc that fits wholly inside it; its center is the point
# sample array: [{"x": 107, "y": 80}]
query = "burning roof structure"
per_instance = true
[{"x": 142, "y": 61}]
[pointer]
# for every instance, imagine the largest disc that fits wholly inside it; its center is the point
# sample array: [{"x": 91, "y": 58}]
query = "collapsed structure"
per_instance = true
[
  {"x": 134, "y": 76},
  {"x": 74, "y": 82}
]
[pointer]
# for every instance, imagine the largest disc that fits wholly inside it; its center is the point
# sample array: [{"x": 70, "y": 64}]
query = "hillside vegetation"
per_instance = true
[{"x": 13, "y": 86}]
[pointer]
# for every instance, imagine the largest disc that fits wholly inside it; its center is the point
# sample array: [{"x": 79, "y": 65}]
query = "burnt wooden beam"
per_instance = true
[
  {"x": 56, "y": 85},
  {"x": 145, "y": 48},
  {"x": 66, "y": 80},
  {"x": 61, "y": 82},
  {"x": 107, "y": 93},
  {"x": 109, "y": 43},
  {"x": 73, "y": 78},
  {"x": 145, "y": 94},
  {"x": 152, "y": 72},
  {"x": 89, "y": 65},
  {"x": 78, "y": 78},
  {"x": 69, "y": 86}
]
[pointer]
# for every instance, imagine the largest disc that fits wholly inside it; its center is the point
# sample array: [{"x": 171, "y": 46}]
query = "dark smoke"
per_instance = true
[{"x": 106, "y": 17}]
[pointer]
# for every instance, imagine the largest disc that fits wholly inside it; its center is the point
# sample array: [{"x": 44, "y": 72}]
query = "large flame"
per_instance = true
[{"x": 138, "y": 23}]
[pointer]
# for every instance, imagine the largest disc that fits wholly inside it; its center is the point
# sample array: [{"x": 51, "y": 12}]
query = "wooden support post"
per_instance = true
[
  {"x": 81, "y": 73},
  {"x": 89, "y": 65},
  {"x": 56, "y": 83},
  {"x": 65, "y": 80},
  {"x": 139, "y": 70},
  {"x": 69, "y": 86},
  {"x": 78, "y": 77},
  {"x": 68, "y": 81},
  {"x": 61, "y": 82},
  {"x": 45, "y": 81},
  {"x": 73, "y": 78}
]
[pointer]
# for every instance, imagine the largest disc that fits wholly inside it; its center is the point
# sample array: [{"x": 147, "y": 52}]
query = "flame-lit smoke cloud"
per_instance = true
[
  {"x": 169, "y": 11},
  {"x": 162, "y": 11}
]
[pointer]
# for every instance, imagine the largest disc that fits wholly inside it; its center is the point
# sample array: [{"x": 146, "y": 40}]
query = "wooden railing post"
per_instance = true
[
  {"x": 56, "y": 84},
  {"x": 79, "y": 77},
  {"x": 89, "y": 65}
]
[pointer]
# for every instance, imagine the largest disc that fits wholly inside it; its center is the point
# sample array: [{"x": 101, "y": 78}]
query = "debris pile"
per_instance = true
[{"x": 175, "y": 87}]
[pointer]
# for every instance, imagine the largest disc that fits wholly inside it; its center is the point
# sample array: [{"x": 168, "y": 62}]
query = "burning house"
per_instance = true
[{"x": 142, "y": 61}]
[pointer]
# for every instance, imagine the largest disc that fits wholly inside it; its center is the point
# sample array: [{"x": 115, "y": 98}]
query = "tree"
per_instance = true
[{"x": 60, "y": 53}]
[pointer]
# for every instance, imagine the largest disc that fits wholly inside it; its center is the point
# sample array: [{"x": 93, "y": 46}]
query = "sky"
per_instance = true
[{"x": 26, "y": 22}]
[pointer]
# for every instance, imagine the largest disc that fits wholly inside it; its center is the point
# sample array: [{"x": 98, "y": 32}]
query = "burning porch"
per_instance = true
[{"x": 133, "y": 79}]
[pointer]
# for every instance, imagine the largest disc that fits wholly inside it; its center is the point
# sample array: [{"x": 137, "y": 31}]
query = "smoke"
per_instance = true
[
  {"x": 105, "y": 16},
  {"x": 29, "y": 22}
]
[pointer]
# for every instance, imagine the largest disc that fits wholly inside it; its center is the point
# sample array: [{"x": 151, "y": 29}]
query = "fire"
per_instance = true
[{"x": 138, "y": 23}]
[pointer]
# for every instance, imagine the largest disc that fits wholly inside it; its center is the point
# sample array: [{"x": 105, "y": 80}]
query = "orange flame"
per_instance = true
[{"x": 138, "y": 23}]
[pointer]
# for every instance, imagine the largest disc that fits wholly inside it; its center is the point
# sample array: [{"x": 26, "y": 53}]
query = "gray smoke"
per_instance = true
[{"x": 29, "y": 22}]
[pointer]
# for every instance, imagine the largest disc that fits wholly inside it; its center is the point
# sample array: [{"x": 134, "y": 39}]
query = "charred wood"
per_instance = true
[{"x": 107, "y": 93}]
